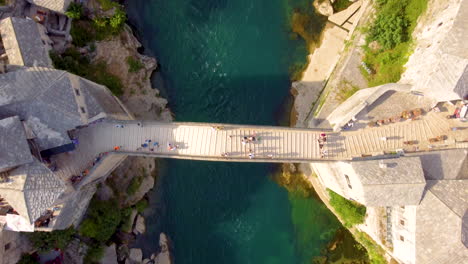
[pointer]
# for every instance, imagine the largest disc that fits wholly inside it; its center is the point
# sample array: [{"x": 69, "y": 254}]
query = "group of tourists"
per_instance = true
[{"x": 321, "y": 141}]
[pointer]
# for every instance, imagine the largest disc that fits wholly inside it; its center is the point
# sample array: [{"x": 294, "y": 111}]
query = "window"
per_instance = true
[
  {"x": 77, "y": 92},
  {"x": 349, "y": 182},
  {"x": 402, "y": 222},
  {"x": 402, "y": 238},
  {"x": 83, "y": 110},
  {"x": 7, "y": 246}
]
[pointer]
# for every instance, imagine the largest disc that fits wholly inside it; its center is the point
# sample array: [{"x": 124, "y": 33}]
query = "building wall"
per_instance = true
[
  {"x": 12, "y": 246},
  {"x": 404, "y": 227},
  {"x": 332, "y": 176}
]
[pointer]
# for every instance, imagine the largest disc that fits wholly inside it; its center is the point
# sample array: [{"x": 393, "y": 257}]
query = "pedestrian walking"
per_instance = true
[{"x": 383, "y": 138}]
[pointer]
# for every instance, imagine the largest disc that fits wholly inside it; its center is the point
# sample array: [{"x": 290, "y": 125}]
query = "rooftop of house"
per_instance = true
[
  {"x": 31, "y": 189},
  {"x": 53, "y": 102},
  {"x": 445, "y": 165},
  {"x": 14, "y": 148},
  {"x": 59, "y": 6},
  {"x": 391, "y": 181},
  {"x": 442, "y": 223},
  {"x": 23, "y": 41}
]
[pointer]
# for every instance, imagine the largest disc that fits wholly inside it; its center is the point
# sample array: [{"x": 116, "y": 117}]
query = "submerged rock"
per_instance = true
[
  {"x": 135, "y": 256},
  {"x": 139, "y": 225}
]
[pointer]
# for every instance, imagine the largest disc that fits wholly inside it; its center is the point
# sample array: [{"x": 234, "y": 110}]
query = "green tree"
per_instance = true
[
  {"x": 390, "y": 30},
  {"x": 45, "y": 241},
  {"x": 74, "y": 11},
  {"x": 102, "y": 219}
]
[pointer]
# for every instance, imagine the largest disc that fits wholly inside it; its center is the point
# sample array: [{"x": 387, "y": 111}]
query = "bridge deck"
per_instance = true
[{"x": 273, "y": 144}]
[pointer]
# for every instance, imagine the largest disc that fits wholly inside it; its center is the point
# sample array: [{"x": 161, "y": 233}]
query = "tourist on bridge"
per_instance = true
[
  {"x": 119, "y": 126},
  {"x": 156, "y": 144}
]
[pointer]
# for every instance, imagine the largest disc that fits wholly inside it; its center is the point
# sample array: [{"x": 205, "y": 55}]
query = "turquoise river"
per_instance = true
[{"x": 228, "y": 61}]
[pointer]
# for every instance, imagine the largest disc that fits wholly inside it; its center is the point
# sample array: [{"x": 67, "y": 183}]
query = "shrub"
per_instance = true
[
  {"x": 134, "y": 64},
  {"x": 74, "y": 10},
  {"x": 107, "y": 4},
  {"x": 375, "y": 252},
  {"x": 46, "y": 241},
  {"x": 82, "y": 33},
  {"x": 126, "y": 224},
  {"x": 351, "y": 213},
  {"x": 101, "y": 221},
  {"x": 395, "y": 21}
]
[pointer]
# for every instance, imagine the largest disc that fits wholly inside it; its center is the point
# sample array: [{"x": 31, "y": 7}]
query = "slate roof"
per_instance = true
[
  {"x": 449, "y": 165},
  {"x": 32, "y": 189},
  {"x": 44, "y": 99},
  {"x": 400, "y": 181},
  {"x": 59, "y": 6},
  {"x": 47, "y": 100},
  {"x": 14, "y": 148},
  {"x": 440, "y": 232},
  {"x": 23, "y": 42}
]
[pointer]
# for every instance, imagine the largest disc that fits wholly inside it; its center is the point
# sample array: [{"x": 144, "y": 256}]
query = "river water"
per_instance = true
[{"x": 227, "y": 61}]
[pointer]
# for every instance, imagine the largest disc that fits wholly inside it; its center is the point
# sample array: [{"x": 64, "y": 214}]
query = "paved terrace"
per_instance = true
[{"x": 200, "y": 141}]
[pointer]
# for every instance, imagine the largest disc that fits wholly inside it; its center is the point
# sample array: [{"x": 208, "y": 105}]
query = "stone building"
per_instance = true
[
  {"x": 25, "y": 43},
  {"x": 39, "y": 109}
]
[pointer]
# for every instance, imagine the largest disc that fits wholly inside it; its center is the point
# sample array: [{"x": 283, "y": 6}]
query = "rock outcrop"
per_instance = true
[
  {"x": 324, "y": 7},
  {"x": 139, "y": 225},
  {"x": 110, "y": 255}
]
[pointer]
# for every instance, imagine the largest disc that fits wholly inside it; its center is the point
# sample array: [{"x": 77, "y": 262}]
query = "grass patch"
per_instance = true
[
  {"x": 388, "y": 42},
  {"x": 72, "y": 61},
  {"x": 134, "y": 65},
  {"x": 375, "y": 252},
  {"x": 345, "y": 91},
  {"x": 340, "y": 5},
  {"x": 351, "y": 213}
]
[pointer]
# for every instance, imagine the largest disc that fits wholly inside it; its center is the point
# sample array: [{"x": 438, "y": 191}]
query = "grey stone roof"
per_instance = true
[
  {"x": 23, "y": 42},
  {"x": 14, "y": 148},
  {"x": 453, "y": 193},
  {"x": 47, "y": 100},
  {"x": 455, "y": 41},
  {"x": 400, "y": 182},
  {"x": 44, "y": 99},
  {"x": 439, "y": 232},
  {"x": 448, "y": 165},
  {"x": 59, "y": 6},
  {"x": 32, "y": 189}
]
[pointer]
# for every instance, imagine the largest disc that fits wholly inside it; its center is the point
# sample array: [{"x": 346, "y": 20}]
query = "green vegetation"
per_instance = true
[
  {"x": 102, "y": 220},
  {"x": 72, "y": 61},
  {"x": 126, "y": 224},
  {"x": 74, "y": 10},
  {"x": 134, "y": 64},
  {"x": 345, "y": 90},
  {"x": 388, "y": 43},
  {"x": 340, "y": 5},
  {"x": 134, "y": 185},
  {"x": 375, "y": 252},
  {"x": 26, "y": 258},
  {"x": 351, "y": 213},
  {"x": 107, "y": 4},
  {"x": 45, "y": 241},
  {"x": 296, "y": 71},
  {"x": 94, "y": 254},
  {"x": 2, "y": 2},
  {"x": 141, "y": 205}
]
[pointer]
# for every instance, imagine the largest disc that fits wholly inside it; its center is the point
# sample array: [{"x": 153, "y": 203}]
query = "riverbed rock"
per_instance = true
[
  {"x": 139, "y": 225},
  {"x": 135, "y": 256},
  {"x": 110, "y": 255},
  {"x": 324, "y": 7},
  {"x": 122, "y": 252},
  {"x": 163, "y": 257},
  {"x": 146, "y": 261}
]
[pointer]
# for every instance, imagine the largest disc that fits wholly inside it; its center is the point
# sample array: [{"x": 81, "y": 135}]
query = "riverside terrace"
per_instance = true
[{"x": 223, "y": 142}]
